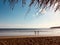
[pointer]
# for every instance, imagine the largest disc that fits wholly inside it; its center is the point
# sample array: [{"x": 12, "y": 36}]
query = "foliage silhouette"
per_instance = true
[{"x": 40, "y": 3}]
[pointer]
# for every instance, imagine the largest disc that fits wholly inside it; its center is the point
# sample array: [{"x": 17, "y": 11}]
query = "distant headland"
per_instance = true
[{"x": 56, "y": 27}]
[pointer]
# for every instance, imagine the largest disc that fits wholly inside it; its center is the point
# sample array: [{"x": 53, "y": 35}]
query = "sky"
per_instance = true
[{"x": 17, "y": 18}]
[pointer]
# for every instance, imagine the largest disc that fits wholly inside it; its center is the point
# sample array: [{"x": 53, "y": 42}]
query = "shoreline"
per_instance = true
[{"x": 30, "y": 36}]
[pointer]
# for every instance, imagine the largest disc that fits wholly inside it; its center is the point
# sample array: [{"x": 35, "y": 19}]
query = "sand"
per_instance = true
[{"x": 29, "y": 40}]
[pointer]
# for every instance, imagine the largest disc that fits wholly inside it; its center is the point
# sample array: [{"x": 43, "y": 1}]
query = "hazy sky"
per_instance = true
[{"x": 16, "y": 18}]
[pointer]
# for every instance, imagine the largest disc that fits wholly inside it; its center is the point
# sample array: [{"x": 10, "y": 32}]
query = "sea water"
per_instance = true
[{"x": 39, "y": 32}]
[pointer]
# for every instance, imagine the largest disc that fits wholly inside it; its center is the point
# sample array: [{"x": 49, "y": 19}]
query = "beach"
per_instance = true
[
  {"x": 26, "y": 40},
  {"x": 28, "y": 37}
]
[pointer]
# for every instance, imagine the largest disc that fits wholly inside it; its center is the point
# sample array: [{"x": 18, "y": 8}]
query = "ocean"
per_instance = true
[{"x": 29, "y": 31}]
